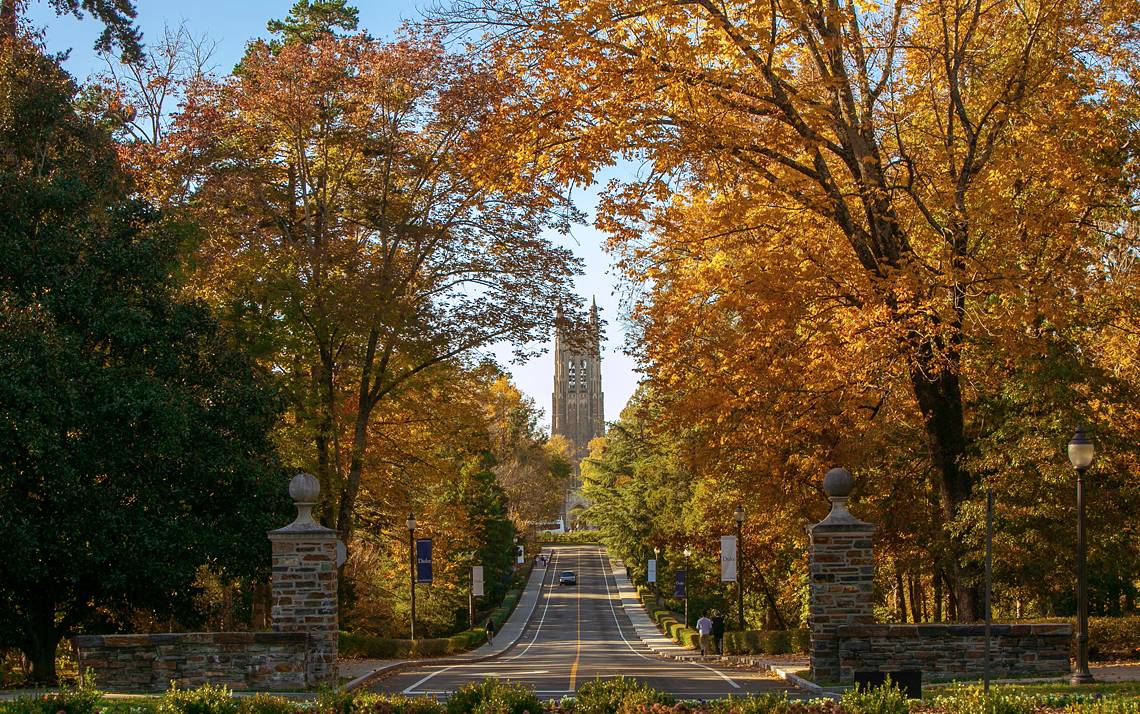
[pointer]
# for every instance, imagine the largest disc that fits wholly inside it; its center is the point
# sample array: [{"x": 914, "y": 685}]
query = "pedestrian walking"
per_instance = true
[
  {"x": 718, "y": 632},
  {"x": 704, "y": 629},
  {"x": 490, "y": 631}
]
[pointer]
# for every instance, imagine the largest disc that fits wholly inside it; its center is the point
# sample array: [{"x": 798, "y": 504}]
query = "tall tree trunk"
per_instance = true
[
  {"x": 900, "y": 595},
  {"x": 937, "y": 583},
  {"x": 770, "y": 599},
  {"x": 41, "y": 639},
  {"x": 344, "y": 520},
  {"x": 326, "y": 403},
  {"x": 939, "y": 396},
  {"x": 951, "y": 602},
  {"x": 916, "y": 614}
]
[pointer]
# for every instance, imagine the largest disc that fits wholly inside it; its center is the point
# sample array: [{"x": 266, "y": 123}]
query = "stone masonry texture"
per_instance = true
[
  {"x": 274, "y": 661},
  {"x": 841, "y": 568},
  {"x": 845, "y": 638},
  {"x": 305, "y": 595},
  {"x": 947, "y": 651}
]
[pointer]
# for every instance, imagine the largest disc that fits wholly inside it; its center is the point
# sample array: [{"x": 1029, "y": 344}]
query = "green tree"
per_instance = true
[
  {"x": 117, "y": 16},
  {"x": 309, "y": 19},
  {"x": 133, "y": 437}
]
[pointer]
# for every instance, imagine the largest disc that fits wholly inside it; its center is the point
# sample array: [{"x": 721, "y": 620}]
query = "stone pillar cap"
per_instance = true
[
  {"x": 837, "y": 484},
  {"x": 304, "y": 488}
]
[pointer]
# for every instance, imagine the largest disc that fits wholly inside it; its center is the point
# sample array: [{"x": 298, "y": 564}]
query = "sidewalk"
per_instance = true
[
  {"x": 664, "y": 646},
  {"x": 364, "y": 671},
  {"x": 646, "y": 629},
  {"x": 651, "y": 635}
]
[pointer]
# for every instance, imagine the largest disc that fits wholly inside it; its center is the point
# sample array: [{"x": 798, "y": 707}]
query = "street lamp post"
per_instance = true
[
  {"x": 657, "y": 571},
  {"x": 411, "y": 523},
  {"x": 1080, "y": 456},
  {"x": 738, "y": 516},
  {"x": 688, "y": 552}
]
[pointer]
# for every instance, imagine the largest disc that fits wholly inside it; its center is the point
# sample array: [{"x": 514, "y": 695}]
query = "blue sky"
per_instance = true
[{"x": 232, "y": 23}]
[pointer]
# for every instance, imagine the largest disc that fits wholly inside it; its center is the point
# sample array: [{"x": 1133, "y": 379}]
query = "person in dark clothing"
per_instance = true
[
  {"x": 718, "y": 632},
  {"x": 490, "y": 632}
]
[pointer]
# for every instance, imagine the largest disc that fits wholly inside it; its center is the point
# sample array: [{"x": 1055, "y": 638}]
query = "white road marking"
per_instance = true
[
  {"x": 609, "y": 596},
  {"x": 413, "y": 689},
  {"x": 545, "y": 607},
  {"x": 410, "y": 689}
]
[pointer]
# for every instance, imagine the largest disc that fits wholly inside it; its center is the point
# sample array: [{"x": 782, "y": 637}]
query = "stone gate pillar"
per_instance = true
[
  {"x": 842, "y": 572},
  {"x": 305, "y": 582}
]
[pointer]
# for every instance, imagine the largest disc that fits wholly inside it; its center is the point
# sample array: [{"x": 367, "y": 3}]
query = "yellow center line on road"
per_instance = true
[{"x": 578, "y": 650}]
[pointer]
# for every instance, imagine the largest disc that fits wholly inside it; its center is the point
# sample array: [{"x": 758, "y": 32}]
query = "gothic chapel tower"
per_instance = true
[{"x": 577, "y": 401}]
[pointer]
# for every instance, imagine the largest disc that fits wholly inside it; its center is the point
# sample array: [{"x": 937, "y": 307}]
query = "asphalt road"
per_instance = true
[{"x": 576, "y": 634}]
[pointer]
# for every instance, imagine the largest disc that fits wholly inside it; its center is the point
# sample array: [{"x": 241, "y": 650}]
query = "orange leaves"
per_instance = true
[{"x": 842, "y": 209}]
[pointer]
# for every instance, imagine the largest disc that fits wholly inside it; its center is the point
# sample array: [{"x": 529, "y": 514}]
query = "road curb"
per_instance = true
[
  {"x": 800, "y": 683},
  {"x": 386, "y": 670}
]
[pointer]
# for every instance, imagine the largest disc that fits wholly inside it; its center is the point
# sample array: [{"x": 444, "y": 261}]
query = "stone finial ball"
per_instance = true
[
  {"x": 304, "y": 488},
  {"x": 837, "y": 483}
]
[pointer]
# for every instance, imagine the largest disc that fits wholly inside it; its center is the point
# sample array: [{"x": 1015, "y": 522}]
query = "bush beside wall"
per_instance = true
[{"x": 767, "y": 642}]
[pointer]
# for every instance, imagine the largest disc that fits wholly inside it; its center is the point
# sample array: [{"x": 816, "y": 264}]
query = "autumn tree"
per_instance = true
[
  {"x": 532, "y": 469},
  {"x": 845, "y": 204},
  {"x": 361, "y": 224},
  {"x": 440, "y": 464}
]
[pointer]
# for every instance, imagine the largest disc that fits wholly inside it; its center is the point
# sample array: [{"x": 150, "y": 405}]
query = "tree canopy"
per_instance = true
[
  {"x": 858, "y": 223},
  {"x": 134, "y": 435},
  {"x": 361, "y": 228}
]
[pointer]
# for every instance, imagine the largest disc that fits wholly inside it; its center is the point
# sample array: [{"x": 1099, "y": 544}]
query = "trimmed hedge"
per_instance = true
[
  {"x": 767, "y": 642},
  {"x": 572, "y": 538},
  {"x": 672, "y": 626},
  {"x": 373, "y": 647},
  {"x": 1113, "y": 638},
  {"x": 1110, "y": 638}
]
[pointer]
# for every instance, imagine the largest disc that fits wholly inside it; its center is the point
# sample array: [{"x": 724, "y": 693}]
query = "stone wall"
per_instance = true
[
  {"x": 300, "y": 653},
  {"x": 274, "y": 661},
  {"x": 948, "y": 651}
]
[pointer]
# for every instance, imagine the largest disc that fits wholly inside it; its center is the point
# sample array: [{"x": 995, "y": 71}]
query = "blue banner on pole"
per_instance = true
[
  {"x": 679, "y": 585},
  {"x": 423, "y": 560}
]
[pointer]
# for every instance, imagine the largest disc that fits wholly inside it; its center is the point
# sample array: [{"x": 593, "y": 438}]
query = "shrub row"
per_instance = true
[
  {"x": 753, "y": 642},
  {"x": 672, "y": 626},
  {"x": 1113, "y": 638},
  {"x": 767, "y": 641},
  {"x": 571, "y": 538},
  {"x": 370, "y": 646},
  {"x": 618, "y": 695}
]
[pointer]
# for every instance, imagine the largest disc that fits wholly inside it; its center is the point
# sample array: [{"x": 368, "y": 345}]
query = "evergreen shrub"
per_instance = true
[
  {"x": 1113, "y": 638},
  {"x": 619, "y": 694},
  {"x": 887, "y": 699},
  {"x": 65, "y": 701},
  {"x": 207, "y": 699},
  {"x": 262, "y": 703},
  {"x": 493, "y": 696},
  {"x": 770, "y": 703},
  {"x": 973, "y": 700},
  {"x": 394, "y": 704},
  {"x": 767, "y": 641}
]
